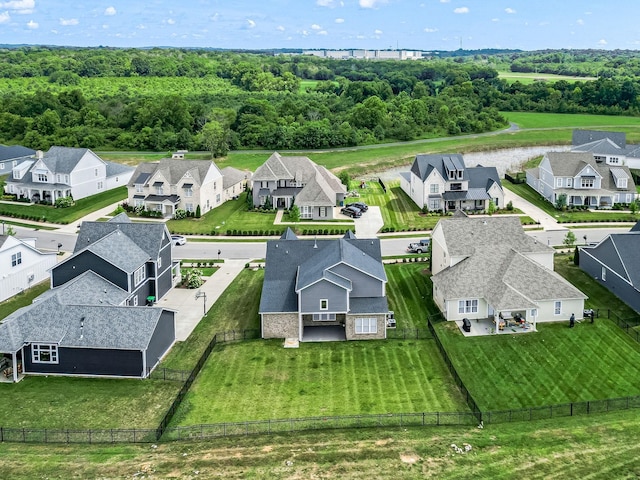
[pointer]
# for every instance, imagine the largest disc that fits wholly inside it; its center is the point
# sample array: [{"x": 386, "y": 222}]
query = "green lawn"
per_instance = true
[
  {"x": 409, "y": 294},
  {"x": 577, "y": 216},
  {"x": 569, "y": 120},
  {"x": 22, "y": 299},
  {"x": 263, "y": 380},
  {"x": 81, "y": 403},
  {"x": 527, "y": 78},
  {"x": 51, "y": 214},
  {"x": 236, "y": 309},
  {"x": 552, "y": 366}
]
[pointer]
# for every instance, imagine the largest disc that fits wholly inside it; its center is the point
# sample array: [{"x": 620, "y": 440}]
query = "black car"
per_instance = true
[
  {"x": 361, "y": 205},
  {"x": 351, "y": 211}
]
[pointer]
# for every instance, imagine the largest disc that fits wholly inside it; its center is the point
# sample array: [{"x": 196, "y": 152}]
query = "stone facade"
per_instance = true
[
  {"x": 280, "y": 325},
  {"x": 350, "y": 327}
]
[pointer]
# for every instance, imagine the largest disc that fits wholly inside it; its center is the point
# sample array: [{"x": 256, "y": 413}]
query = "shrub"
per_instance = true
[
  {"x": 180, "y": 214},
  {"x": 64, "y": 202}
]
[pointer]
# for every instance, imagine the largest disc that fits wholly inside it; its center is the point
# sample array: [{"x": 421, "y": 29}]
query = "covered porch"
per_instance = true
[
  {"x": 166, "y": 204},
  {"x": 486, "y": 326},
  {"x": 328, "y": 333},
  {"x": 11, "y": 367}
]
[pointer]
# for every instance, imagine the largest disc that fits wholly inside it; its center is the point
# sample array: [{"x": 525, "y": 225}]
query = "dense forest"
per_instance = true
[{"x": 164, "y": 99}]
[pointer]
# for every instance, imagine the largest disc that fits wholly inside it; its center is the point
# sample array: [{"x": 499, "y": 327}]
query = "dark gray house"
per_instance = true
[
  {"x": 337, "y": 285},
  {"x": 136, "y": 257},
  {"x": 54, "y": 337},
  {"x": 615, "y": 264}
]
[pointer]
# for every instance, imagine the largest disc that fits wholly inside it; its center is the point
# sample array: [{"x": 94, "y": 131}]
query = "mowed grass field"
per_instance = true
[
  {"x": 260, "y": 379},
  {"x": 409, "y": 294},
  {"x": 528, "y": 78},
  {"x": 572, "y": 120},
  {"x": 603, "y": 446}
]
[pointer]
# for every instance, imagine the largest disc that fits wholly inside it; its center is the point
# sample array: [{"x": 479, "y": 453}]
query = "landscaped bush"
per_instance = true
[{"x": 65, "y": 202}]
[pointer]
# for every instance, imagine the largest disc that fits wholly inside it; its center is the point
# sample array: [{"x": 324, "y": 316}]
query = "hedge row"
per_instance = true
[{"x": 24, "y": 216}]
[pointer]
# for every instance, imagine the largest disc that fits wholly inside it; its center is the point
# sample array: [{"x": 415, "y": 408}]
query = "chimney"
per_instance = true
[{"x": 39, "y": 154}]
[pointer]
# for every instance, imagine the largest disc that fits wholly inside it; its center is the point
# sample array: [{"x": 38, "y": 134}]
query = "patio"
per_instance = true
[{"x": 485, "y": 326}]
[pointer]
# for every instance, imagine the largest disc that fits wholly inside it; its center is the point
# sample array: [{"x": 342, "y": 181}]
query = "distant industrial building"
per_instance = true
[{"x": 361, "y": 54}]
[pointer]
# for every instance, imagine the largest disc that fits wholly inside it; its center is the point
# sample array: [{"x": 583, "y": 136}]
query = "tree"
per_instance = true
[
  {"x": 193, "y": 278},
  {"x": 561, "y": 201},
  {"x": 345, "y": 178},
  {"x": 492, "y": 207},
  {"x": 569, "y": 239},
  {"x": 576, "y": 256},
  {"x": 215, "y": 138},
  {"x": 294, "y": 214},
  {"x": 198, "y": 212},
  {"x": 633, "y": 207}
]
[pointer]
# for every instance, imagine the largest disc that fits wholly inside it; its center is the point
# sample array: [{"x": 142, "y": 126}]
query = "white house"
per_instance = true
[
  {"x": 488, "y": 268},
  {"x": 442, "y": 182},
  {"x": 63, "y": 172},
  {"x": 21, "y": 265}
]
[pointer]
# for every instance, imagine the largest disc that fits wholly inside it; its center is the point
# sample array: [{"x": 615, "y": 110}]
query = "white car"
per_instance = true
[{"x": 178, "y": 240}]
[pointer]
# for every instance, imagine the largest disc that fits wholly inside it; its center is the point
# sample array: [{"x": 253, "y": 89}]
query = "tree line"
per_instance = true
[{"x": 165, "y": 99}]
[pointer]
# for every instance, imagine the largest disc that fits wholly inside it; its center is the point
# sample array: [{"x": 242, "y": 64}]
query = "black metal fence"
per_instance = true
[
  {"x": 408, "y": 334},
  {"x": 61, "y": 435},
  {"x": 473, "y": 406},
  {"x": 262, "y": 427}
]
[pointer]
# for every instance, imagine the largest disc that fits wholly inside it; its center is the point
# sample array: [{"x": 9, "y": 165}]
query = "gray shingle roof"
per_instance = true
[
  {"x": 63, "y": 159},
  {"x": 423, "y": 165},
  {"x": 286, "y": 257},
  {"x": 316, "y": 193},
  {"x": 232, "y": 176},
  {"x": 465, "y": 235},
  {"x": 581, "y": 137},
  {"x": 120, "y": 250},
  {"x": 619, "y": 251},
  {"x": 10, "y": 152},
  {"x": 49, "y": 321},
  {"x": 569, "y": 164},
  {"x": 602, "y": 147},
  {"x": 173, "y": 170},
  {"x": 148, "y": 235},
  {"x": 88, "y": 288}
]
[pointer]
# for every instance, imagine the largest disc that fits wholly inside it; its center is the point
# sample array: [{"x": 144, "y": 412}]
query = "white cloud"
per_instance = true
[
  {"x": 69, "y": 21},
  {"x": 280, "y": 27},
  {"x": 445, "y": 1},
  {"x": 4, "y": 17},
  {"x": 602, "y": 41},
  {"x": 339, "y": 20},
  {"x": 461, "y": 10},
  {"x": 251, "y": 23},
  {"x": 19, "y": 6},
  {"x": 326, "y": 3},
  {"x": 323, "y": 32},
  {"x": 430, "y": 30},
  {"x": 141, "y": 27},
  {"x": 31, "y": 25},
  {"x": 110, "y": 11},
  {"x": 510, "y": 10},
  {"x": 315, "y": 26},
  {"x": 495, "y": 19},
  {"x": 304, "y": 33},
  {"x": 171, "y": 21},
  {"x": 377, "y": 31},
  {"x": 580, "y": 21},
  {"x": 371, "y": 3}
]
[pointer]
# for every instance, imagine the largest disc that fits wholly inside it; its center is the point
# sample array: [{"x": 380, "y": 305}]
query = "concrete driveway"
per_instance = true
[{"x": 368, "y": 225}]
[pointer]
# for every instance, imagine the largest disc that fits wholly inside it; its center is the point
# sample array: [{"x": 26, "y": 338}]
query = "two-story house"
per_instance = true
[
  {"x": 176, "y": 184},
  {"x": 442, "y": 182},
  {"x": 22, "y": 265},
  {"x": 136, "y": 257},
  {"x": 490, "y": 268},
  {"x": 610, "y": 148},
  {"x": 65, "y": 172},
  {"x": 234, "y": 182},
  {"x": 287, "y": 180},
  {"x": 318, "y": 290},
  {"x": 583, "y": 179},
  {"x": 11, "y": 155}
]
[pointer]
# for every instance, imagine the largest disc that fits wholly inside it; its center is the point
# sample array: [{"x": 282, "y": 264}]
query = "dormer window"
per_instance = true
[
  {"x": 41, "y": 177},
  {"x": 622, "y": 183}
]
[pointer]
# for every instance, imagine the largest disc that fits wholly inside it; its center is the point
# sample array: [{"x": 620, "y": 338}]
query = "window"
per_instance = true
[
  {"x": 41, "y": 177},
  {"x": 14, "y": 163},
  {"x": 159, "y": 190},
  {"x": 139, "y": 188},
  {"x": 323, "y": 211},
  {"x": 557, "y": 308},
  {"x": 44, "y": 353},
  {"x": 622, "y": 183},
  {"x": 188, "y": 192},
  {"x": 558, "y": 182},
  {"x": 188, "y": 207},
  {"x": 217, "y": 198},
  {"x": 615, "y": 160},
  {"x": 604, "y": 274},
  {"x": 139, "y": 202},
  {"x": 366, "y": 325},
  {"x": 16, "y": 259},
  {"x": 159, "y": 262},
  {"x": 569, "y": 181},
  {"x": 306, "y": 212},
  {"x": 135, "y": 301},
  {"x": 533, "y": 313},
  {"x": 434, "y": 204},
  {"x": 100, "y": 185},
  {"x": 264, "y": 184},
  {"x": 324, "y": 304},
  {"x": 214, "y": 185},
  {"x": 95, "y": 172},
  {"x": 66, "y": 179},
  {"x": 587, "y": 182},
  {"x": 2, "y": 166},
  {"x": 58, "y": 178},
  {"x": 324, "y": 317},
  {"x": 138, "y": 276},
  {"x": 468, "y": 306},
  {"x": 434, "y": 188}
]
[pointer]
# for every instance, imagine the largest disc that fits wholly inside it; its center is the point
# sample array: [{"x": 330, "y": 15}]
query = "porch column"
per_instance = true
[
  {"x": 496, "y": 320},
  {"x": 14, "y": 364}
]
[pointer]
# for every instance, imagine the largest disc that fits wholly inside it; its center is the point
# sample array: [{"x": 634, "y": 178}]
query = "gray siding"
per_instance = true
[
  {"x": 310, "y": 297},
  {"x": 616, "y": 285},
  {"x": 162, "y": 338},
  {"x": 363, "y": 285},
  {"x": 84, "y": 261}
]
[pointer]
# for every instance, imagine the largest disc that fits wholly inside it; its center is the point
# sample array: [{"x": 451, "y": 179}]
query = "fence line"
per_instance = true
[{"x": 473, "y": 406}]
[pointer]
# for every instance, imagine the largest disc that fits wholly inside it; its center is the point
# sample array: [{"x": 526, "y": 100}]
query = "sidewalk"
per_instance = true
[
  {"x": 189, "y": 309},
  {"x": 546, "y": 221}
]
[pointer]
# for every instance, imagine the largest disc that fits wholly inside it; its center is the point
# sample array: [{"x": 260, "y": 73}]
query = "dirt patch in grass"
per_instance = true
[{"x": 409, "y": 458}]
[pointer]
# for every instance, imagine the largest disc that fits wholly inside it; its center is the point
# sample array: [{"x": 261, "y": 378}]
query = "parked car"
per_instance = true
[
  {"x": 361, "y": 205},
  {"x": 419, "y": 247},
  {"x": 178, "y": 240},
  {"x": 351, "y": 211}
]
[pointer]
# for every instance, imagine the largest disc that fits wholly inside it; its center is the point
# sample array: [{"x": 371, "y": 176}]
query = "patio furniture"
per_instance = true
[{"x": 466, "y": 325}]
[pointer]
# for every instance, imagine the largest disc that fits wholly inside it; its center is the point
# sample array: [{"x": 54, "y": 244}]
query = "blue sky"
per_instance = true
[{"x": 372, "y": 24}]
